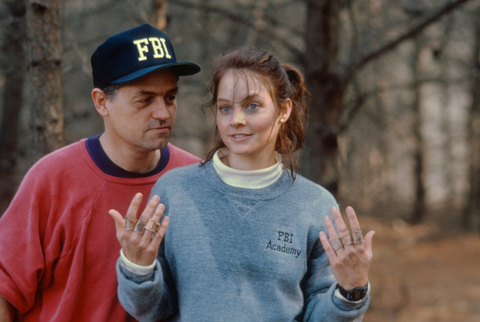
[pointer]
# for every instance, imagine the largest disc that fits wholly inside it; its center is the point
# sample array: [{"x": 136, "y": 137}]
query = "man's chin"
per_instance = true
[
  {"x": 164, "y": 144},
  {"x": 161, "y": 143}
]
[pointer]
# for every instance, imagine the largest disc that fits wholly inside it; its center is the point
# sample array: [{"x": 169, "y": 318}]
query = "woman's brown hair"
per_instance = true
[{"x": 283, "y": 82}]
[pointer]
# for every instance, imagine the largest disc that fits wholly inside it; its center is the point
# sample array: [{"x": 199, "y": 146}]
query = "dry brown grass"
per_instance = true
[{"x": 418, "y": 275}]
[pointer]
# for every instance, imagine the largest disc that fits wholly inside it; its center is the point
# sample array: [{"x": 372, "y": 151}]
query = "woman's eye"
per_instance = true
[
  {"x": 253, "y": 106},
  {"x": 224, "y": 108}
]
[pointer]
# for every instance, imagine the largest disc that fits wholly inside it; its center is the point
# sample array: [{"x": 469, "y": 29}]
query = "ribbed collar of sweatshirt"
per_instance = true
[{"x": 252, "y": 179}]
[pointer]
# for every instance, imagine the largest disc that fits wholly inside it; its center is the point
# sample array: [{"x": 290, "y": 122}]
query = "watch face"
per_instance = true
[{"x": 356, "y": 294}]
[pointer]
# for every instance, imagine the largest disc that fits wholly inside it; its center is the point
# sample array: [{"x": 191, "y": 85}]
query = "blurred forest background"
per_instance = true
[{"x": 394, "y": 128}]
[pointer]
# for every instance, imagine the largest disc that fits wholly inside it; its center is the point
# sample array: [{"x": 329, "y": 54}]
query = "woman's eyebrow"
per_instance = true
[
  {"x": 247, "y": 98},
  {"x": 223, "y": 99}
]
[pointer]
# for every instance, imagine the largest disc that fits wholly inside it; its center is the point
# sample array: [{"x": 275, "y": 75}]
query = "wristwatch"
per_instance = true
[{"x": 357, "y": 294}]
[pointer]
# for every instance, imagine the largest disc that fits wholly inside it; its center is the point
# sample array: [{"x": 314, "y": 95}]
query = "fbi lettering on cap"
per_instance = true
[{"x": 158, "y": 46}]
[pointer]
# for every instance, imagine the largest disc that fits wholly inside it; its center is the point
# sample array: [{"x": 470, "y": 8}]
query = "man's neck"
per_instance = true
[{"x": 133, "y": 160}]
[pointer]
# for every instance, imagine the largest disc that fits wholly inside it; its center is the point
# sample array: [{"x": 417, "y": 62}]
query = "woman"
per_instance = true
[{"x": 246, "y": 238}]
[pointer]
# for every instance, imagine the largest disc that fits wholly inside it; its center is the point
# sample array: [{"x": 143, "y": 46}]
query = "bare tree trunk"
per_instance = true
[
  {"x": 158, "y": 17},
  {"x": 14, "y": 53},
  {"x": 258, "y": 22},
  {"x": 46, "y": 117},
  {"x": 471, "y": 212},
  {"x": 319, "y": 157},
  {"x": 419, "y": 206},
  {"x": 207, "y": 23},
  {"x": 448, "y": 159},
  {"x": 385, "y": 169}
]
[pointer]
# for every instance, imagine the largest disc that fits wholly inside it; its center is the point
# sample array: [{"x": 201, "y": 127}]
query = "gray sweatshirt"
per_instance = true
[{"x": 237, "y": 254}]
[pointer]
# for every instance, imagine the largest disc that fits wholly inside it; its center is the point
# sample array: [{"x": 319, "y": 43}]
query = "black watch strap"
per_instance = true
[{"x": 357, "y": 294}]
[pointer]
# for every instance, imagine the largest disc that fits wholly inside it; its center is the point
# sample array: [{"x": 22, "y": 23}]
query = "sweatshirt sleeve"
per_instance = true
[
  {"x": 27, "y": 253},
  {"x": 22, "y": 261},
  {"x": 145, "y": 297}
]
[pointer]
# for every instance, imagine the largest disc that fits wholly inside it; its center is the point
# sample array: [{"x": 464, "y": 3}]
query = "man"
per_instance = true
[{"x": 58, "y": 247}]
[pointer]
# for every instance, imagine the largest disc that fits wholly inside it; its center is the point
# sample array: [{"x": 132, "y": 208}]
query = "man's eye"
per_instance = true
[{"x": 146, "y": 100}]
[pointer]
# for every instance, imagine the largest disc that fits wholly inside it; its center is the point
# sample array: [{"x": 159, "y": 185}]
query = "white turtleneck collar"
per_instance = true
[{"x": 252, "y": 179}]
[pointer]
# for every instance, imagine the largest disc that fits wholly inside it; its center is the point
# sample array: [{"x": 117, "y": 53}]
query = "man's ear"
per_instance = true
[{"x": 100, "y": 101}]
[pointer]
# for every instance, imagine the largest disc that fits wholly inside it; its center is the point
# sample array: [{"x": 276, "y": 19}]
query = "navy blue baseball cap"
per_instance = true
[{"x": 135, "y": 53}]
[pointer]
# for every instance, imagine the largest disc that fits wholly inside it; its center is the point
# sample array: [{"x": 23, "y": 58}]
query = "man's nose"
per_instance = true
[{"x": 160, "y": 110}]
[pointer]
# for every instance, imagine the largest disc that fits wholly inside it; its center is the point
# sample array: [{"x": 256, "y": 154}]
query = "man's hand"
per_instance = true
[
  {"x": 140, "y": 239},
  {"x": 7, "y": 311}
]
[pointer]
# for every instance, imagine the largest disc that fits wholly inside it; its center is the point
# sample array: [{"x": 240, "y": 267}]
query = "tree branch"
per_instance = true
[
  {"x": 408, "y": 35},
  {"x": 242, "y": 20},
  {"x": 81, "y": 55}
]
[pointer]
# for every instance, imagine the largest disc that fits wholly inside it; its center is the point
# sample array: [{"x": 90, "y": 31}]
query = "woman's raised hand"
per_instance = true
[
  {"x": 349, "y": 254},
  {"x": 141, "y": 238}
]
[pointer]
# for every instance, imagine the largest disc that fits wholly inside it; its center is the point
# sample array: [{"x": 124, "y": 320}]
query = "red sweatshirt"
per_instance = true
[{"x": 58, "y": 246}]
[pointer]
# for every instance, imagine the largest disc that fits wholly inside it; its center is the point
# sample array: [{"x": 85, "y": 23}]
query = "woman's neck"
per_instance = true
[{"x": 247, "y": 163}]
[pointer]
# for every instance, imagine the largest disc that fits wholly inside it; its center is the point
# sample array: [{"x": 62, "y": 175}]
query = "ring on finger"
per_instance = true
[
  {"x": 140, "y": 227},
  {"x": 130, "y": 223},
  {"x": 357, "y": 237},
  {"x": 336, "y": 243},
  {"x": 346, "y": 238},
  {"x": 152, "y": 226}
]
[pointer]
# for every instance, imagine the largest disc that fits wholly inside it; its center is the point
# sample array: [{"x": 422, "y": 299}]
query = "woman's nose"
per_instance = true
[{"x": 238, "y": 118}]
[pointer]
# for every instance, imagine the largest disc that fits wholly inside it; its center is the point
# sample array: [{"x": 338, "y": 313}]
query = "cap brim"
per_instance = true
[{"x": 180, "y": 68}]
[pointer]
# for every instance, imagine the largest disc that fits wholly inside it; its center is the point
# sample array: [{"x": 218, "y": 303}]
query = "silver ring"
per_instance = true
[
  {"x": 130, "y": 223},
  {"x": 152, "y": 226},
  {"x": 346, "y": 238},
  {"x": 140, "y": 227},
  {"x": 357, "y": 237},
  {"x": 336, "y": 243}
]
